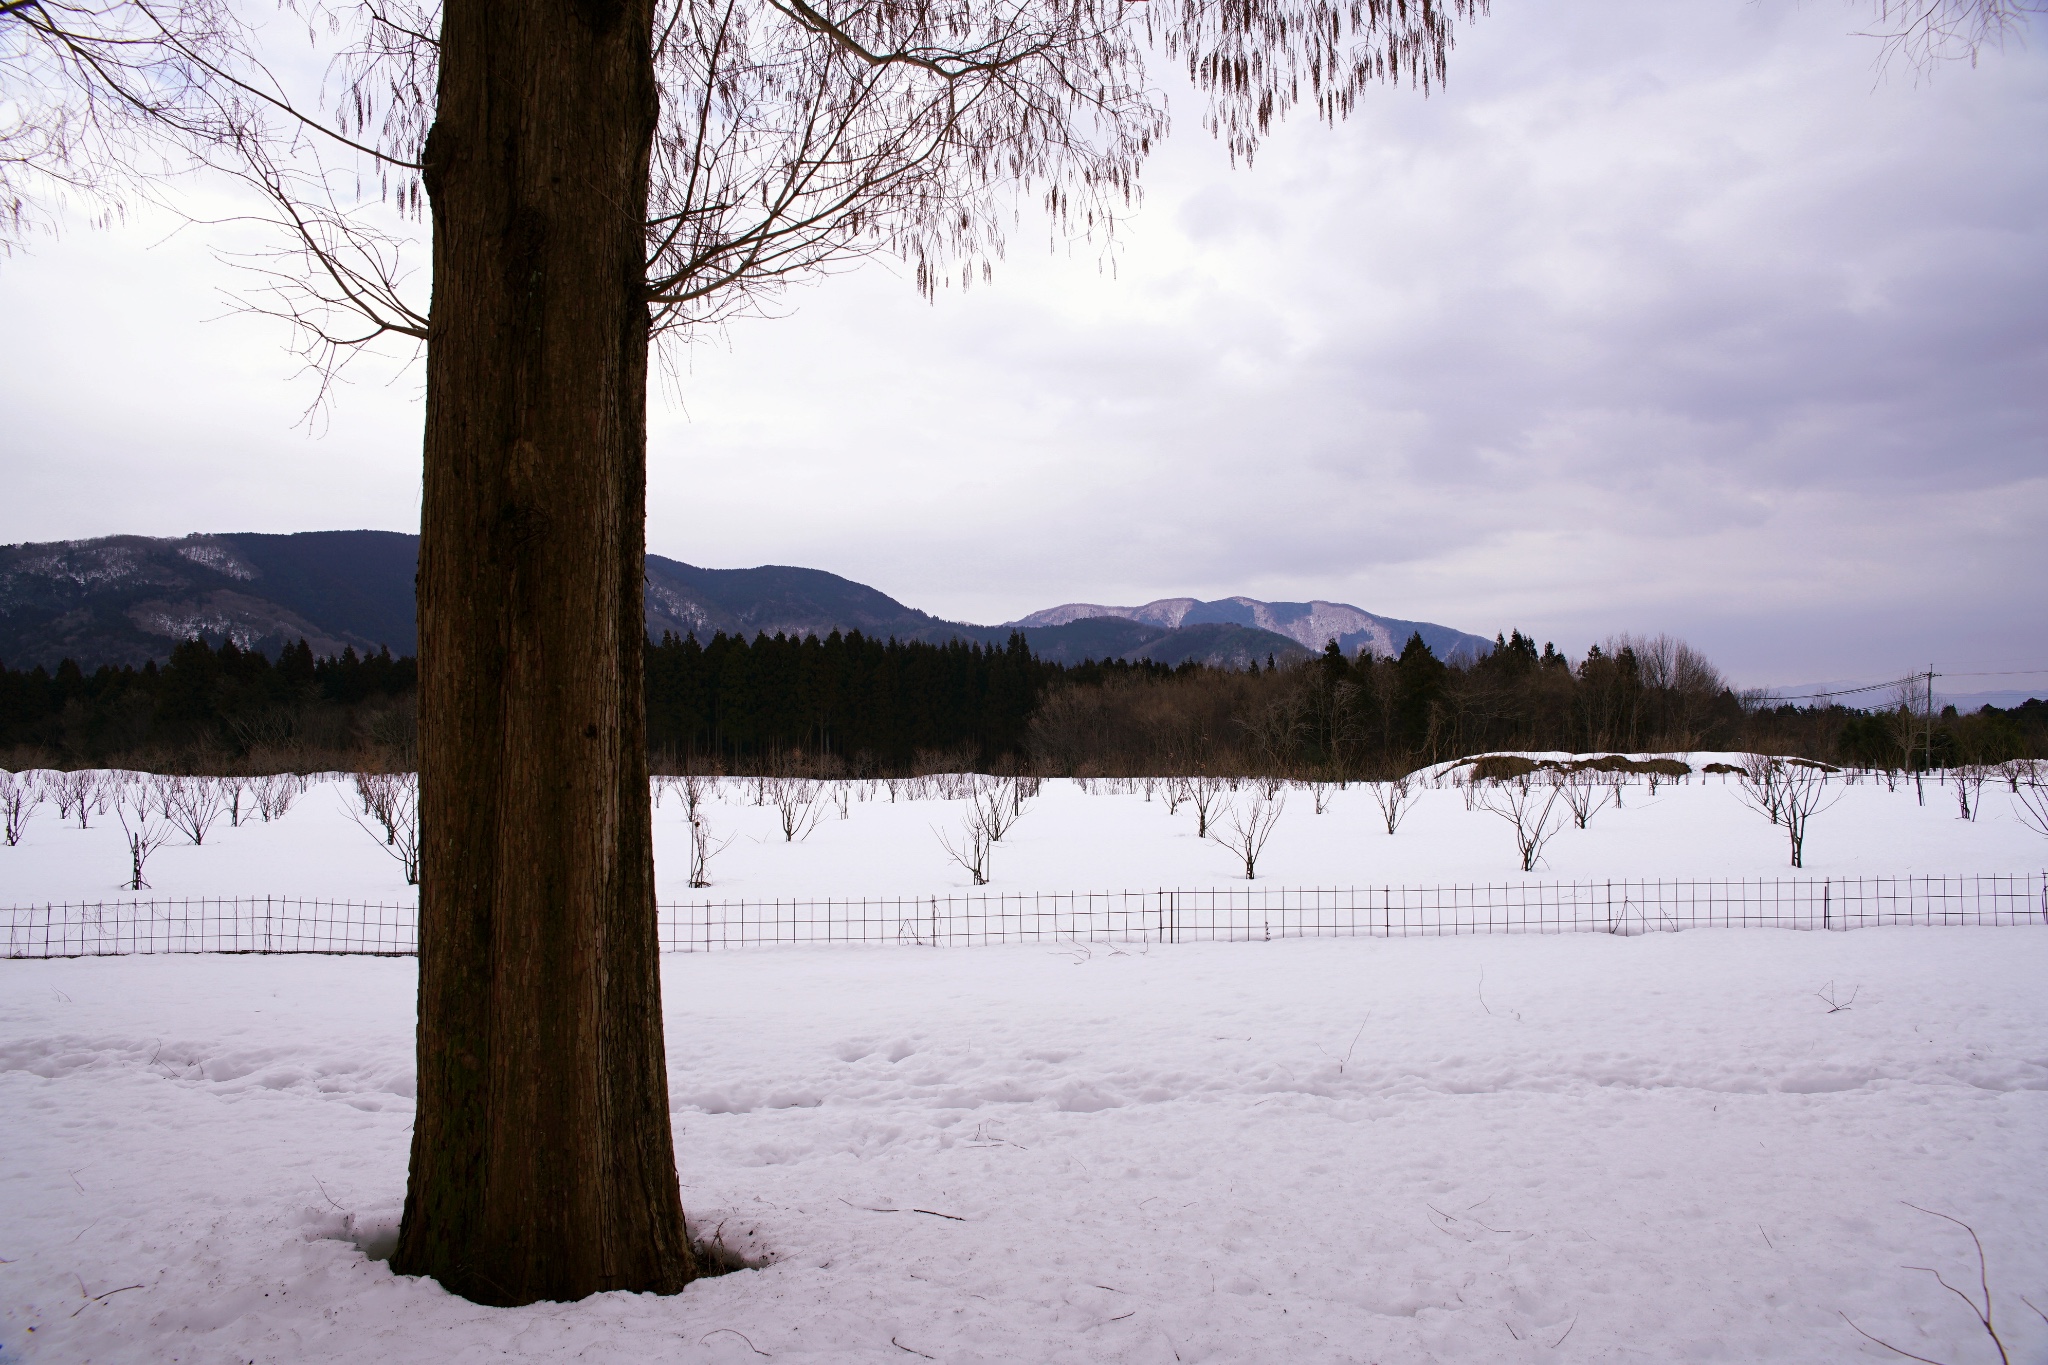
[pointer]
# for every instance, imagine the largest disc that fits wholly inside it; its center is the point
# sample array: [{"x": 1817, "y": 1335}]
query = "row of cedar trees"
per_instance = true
[{"x": 857, "y": 706}]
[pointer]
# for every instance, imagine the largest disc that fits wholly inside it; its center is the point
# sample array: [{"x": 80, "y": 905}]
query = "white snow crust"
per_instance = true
[{"x": 1583, "y": 1148}]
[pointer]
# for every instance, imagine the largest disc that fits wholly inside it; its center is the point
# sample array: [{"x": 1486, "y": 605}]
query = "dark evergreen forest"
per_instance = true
[{"x": 854, "y": 705}]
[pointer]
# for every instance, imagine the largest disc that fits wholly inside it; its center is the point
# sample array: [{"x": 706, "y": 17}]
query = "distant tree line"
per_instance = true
[
  {"x": 1339, "y": 717},
  {"x": 847, "y": 702},
  {"x": 210, "y": 709},
  {"x": 850, "y": 704}
]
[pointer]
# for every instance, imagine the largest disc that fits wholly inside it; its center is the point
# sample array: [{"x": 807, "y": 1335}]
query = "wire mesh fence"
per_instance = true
[
  {"x": 269, "y": 924},
  {"x": 244, "y": 924}
]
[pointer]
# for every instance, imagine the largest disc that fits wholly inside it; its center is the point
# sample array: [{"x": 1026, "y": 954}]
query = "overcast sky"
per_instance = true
[{"x": 1686, "y": 318}]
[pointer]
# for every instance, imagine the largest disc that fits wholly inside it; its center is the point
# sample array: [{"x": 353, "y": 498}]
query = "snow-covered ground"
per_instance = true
[
  {"x": 1670, "y": 1147},
  {"x": 1584, "y": 1148},
  {"x": 1075, "y": 840}
]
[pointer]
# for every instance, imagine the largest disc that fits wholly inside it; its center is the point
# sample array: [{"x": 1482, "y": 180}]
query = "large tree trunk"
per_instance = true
[{"x": 542, "y": 1163}]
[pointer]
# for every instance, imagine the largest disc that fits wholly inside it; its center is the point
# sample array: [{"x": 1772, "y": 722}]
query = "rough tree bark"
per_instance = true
[{"x": 542, "y": 1161}]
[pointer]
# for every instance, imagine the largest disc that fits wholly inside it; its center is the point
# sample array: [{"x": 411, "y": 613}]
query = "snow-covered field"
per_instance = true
[
  {"x": 1670, "y": 1147},
  {"x": 1074, "y": 840},
  {"x": 1584, "y": 1148}
]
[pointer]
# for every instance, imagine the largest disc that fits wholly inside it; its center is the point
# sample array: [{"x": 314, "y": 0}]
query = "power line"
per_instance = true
[{"x": 1926, "y": 675}]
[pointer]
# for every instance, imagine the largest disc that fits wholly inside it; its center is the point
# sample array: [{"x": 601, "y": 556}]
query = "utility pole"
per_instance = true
[{"x": 1927, "y": 751}]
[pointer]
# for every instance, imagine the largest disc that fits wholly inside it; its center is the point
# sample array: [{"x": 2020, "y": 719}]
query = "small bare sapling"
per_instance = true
[
  {"x": 971, "y": 847},
  {"x": 1970, "y": 789},
  {"x": 695, "y": 789},
  {"x": 275, "y": 794},
  {"x": 1395, "y": 799},
  {"x": 191, "y": 804},
  {"x": 1248, "y": 826},
  {"x": 2014, "y": 771},
  {"x": 1760, "y": 786},
  {"x": 20, "y": 794},
  {"x": 233, "y": 789},
  {"x": 73, "y": 793},
  {"x": 703, "y": 848},
  {"x": 1176, "y": 790},
  {"x": 1584, "y": 794},
  {"x": 799, "y": 805},
  {"x": 998, "y": 803},
  {"x": 392, "y": 802},
  {"x": 1804, "y": 793},
  {"x": 2030, "y": 802},
  {"x": 143, "y": 822},
  {"x": 1203, "y": 794},
  {"x": 1530, "y": 808}
]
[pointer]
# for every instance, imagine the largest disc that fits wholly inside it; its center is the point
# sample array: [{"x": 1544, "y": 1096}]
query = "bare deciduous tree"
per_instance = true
[
  {"x": 1395, "y": 798},
  {"x": 191, "y": 804},
  {"x": 2030, "y": 804},
  {"x": 1250, "y": 824},
  {"x": 1804, "y": 793},
  {"x": 1760, "y": 785},
  {"x": 703, "y": 848},
  {"x": 20, "y": 794},
  {"x": 275, "y": 793},
  {"x": 1584, "y": 794},
  {"x": 998, "y": 803},
  {"x": 144, "y": 825},
  {"x": 391, "y": 803},
  {"x": 1969, "y": 780},
  {"x": 1529, "y": 807},
  {"x": 970, "y": 848},
  {"x": 799, "y": 805},
  {"x": 1203, "y": 793}
]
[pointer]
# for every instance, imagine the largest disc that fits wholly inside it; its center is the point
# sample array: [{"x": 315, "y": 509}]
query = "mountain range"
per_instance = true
[{"x": 127, "y": 599}]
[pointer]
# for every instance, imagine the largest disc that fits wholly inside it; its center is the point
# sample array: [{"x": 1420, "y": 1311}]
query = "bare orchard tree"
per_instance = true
[
  {"x": 275, "y": 793},
  {"x": 1584, "y": 794},
  {"x": 191, "y": 804},
  {"x": 1761, "y": 785},
  {"x": 998, "y": 804},
  {"x": 1247, "y": 825},
  {"x": 1204, "y": 793},
  {"x": 143, "y": 823},
  {"x": 1530, "y": 808},
  {"x": 971, "y": 845},
  {"x": 1969, "y": 780},
  {"x": 233, "y": 788},
  {"x": 72, "y": 793},
  {"x": 390, "y": 804},
  {"x": 799, "y": 804},
  {"x": 703, "y": 848},
  {"x": 1395, "y": 798},
  {"x": 20, "y": 794},
  {"x": 1804, "y": 793},
  {"x": 2030, "y": 803},
  {"x": 1175, "y": 790},
  {"x": 696, "y": 789},
  {"x": 2015, "y": 771}
]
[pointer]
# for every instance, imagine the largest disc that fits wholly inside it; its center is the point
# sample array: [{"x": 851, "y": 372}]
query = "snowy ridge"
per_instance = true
[{"x": 1313, "y": 624}]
